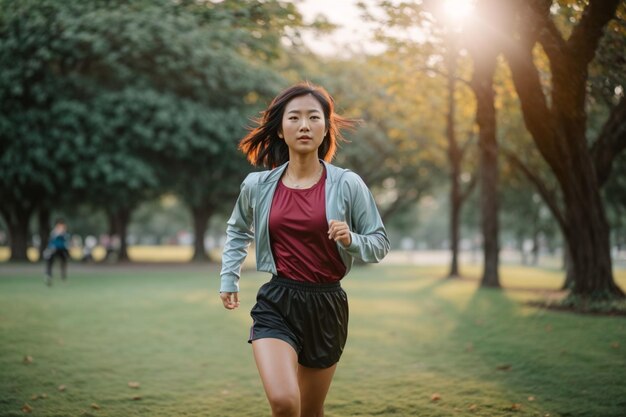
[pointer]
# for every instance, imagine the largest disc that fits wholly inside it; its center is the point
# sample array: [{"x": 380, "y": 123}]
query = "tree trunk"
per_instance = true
[
  {"x": 558, "y": 127},
  {"x": 568, "y": 284},
  {"x": 455, "y": 214},
  {"x": 118, "y": 227},
  {"x": 588, "y": 240},
  {"x": 536, "y": 233},
  {"x": 587, "y": 229},
  {"x": 201, "y": 216},
  {"x": 17, "y": 220},
  {"x": 44, "y": 230},
  {"x": 482, "y": 83},
  {"x": 122, "y": 217},
  {"x": 454, "y": 157},
  {"x": 535, "y": 248}
]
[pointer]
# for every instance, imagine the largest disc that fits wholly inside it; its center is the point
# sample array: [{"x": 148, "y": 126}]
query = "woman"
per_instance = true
[
  {"x": 58, "y": 247},
  {"x": 309, "y": 220}
]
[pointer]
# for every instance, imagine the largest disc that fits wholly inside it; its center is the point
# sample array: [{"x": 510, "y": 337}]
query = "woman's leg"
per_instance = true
[
  {"x": 49, "y": 262},
  {"x": 64, "y": 255},
  {"x": 277, "y": 362},
  {"x": 314, "y": 384}
]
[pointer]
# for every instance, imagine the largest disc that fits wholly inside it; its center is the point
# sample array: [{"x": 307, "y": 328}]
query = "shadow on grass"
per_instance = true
[{"x": 544, "y": 362}]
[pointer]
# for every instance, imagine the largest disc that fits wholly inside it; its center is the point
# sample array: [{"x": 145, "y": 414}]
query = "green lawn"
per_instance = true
[{"x": 412, "y": 335}]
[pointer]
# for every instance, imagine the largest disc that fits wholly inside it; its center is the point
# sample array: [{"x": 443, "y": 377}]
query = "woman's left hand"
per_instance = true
[{"x": 339, "y": 232}]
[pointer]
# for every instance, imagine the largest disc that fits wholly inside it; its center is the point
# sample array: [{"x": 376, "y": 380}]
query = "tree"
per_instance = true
[
  {"x": 92, "y": 113},
  {"x": 389, "y": 149},
  {"x": 436, "y": 53},
  {"x": 208, "y": 182},
  {"x": 50, "y": 133},
  {"x": 557, "y": 122},
  {"x": 484, "y": 46}
]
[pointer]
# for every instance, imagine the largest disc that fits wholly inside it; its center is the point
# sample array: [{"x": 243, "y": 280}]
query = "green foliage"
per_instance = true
[
  {"x": 393, "y": 149},
  {"x": 113, "y": 102}
]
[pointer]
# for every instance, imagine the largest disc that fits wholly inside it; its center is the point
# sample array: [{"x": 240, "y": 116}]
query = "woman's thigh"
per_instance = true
[
  {"x": 314, "y": 384},
  {"x": 277, "y": 362}
]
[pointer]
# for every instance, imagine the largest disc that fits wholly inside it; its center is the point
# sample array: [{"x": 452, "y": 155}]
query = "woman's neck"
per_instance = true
[{"x": 302, "y": 168}]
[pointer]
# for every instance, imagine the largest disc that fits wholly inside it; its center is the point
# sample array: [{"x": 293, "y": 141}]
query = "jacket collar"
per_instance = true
[{"x": 332, "y": 173}]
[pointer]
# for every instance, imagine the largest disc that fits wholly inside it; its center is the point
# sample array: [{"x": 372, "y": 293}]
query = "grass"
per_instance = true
[
  {"x": 143, "y": 253},
  {"x": 412, "y": 335}
]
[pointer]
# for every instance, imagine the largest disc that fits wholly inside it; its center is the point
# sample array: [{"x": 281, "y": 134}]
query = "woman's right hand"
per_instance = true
[{"x": 230, "y": 300}]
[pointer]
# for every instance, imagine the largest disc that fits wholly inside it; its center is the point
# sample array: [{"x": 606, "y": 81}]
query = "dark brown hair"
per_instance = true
[{"x": 262, "y": 145}]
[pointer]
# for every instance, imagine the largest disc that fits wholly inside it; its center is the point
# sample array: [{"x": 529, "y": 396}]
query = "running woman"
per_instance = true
[{"x": 309, "y": 220}]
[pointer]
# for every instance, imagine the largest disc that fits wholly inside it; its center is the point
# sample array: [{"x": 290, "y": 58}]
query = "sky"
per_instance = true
[{"x": 353, "y": 29}]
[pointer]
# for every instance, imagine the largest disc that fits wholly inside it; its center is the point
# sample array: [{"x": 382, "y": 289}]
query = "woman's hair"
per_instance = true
[{"x": 262, "y": 145}]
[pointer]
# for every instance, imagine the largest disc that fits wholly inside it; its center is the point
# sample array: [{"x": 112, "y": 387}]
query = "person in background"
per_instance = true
[
  {"x": 88, "y": 247},
  {"x": 58, "y": 247},
  {"x": 309, "y": 220}
]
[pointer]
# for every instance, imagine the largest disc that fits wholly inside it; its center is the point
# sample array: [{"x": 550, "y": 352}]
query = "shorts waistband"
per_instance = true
[{"x": 306, "y": 286}]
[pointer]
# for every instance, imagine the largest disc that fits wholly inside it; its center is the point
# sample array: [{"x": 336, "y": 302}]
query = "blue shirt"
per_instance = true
[{"x": 58, "y": 241}]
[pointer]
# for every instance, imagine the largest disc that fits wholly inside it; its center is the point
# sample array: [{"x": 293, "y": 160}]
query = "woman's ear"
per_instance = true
[{"x": 280, "y": 134}]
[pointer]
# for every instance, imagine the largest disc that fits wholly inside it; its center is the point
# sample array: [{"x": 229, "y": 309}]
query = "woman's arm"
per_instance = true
[
  {"x": 239, "y": 235},
  {"x": 369, "y": 241}
]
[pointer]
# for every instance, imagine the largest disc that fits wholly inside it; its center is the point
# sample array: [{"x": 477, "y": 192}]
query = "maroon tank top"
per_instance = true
[{"x": 299, "y": 235}]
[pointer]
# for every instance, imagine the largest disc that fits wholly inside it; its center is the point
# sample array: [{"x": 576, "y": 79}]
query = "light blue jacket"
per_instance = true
[{"x": 347, "y": 199}]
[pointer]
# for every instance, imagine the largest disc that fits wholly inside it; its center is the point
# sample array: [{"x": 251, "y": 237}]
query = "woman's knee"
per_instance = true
[{"x": 285, "y": 404}]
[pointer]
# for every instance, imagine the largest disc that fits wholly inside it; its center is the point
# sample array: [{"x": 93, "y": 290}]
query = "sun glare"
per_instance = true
[{"x": 458, "y": 10}]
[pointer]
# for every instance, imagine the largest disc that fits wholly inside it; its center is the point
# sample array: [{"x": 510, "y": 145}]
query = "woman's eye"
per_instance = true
[{"x": 293, "y": 118}]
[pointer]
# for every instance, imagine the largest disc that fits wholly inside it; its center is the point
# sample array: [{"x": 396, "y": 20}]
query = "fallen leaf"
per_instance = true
[
  {"x": 137, "y": 398},
  {"x": 548, "y": 328},
  {"x": 515, "y": 407},
  {"x": 27, "y": 408},
  {"x": 435, "y": 397},
  {"x": 469, "y": 347},
  {"x": 472, "y": 407},
  {"x": 134, "y": 384},
  {"x": 44, "y": 395},
  {"x": 615, "y": 345},
  {"x": 225, "y": 392},
  {"x": 61, "y": 388},
  {"x": 95, "y": 406},
  {"x": 504, "y": 367},
  {"x": 531, "y": 398},
  {"x": 34, "y": 397},
  {"x": 27, "y": 359}
]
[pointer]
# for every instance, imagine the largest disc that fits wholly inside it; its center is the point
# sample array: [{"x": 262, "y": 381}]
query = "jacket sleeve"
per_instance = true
[
  {"x": 369, "y": 238},
  {"x": 239, "y": 235}
]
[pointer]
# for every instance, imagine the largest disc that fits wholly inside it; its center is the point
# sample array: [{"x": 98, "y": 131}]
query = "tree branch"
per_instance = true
[
  {"x": 547, "y": 194},
  {"x": 547, "y": 33},
  {"x": 401, "y": 203},
  {"x": 587, "y": 34},
  {"x": 535, "y": 109},
  {"x": 443, "y": 74},
  {"x": 611, "y": 142}
]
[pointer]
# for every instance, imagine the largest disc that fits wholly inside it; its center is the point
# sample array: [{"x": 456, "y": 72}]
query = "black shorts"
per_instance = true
[{"x": 311, "y": 317}]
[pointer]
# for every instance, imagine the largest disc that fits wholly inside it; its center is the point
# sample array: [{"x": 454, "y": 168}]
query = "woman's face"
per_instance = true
[{"x": 303, "y": 125}]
